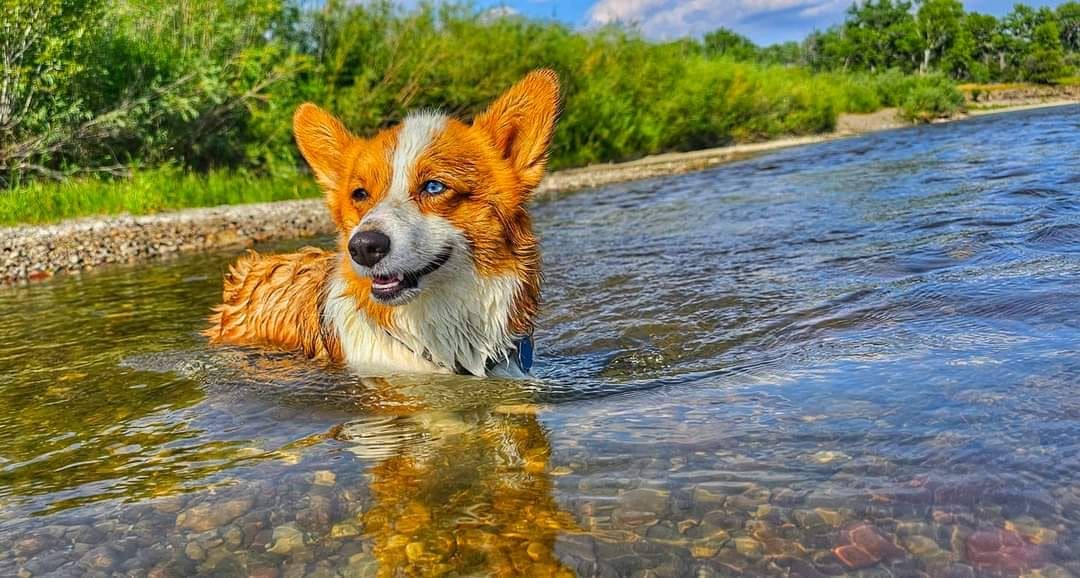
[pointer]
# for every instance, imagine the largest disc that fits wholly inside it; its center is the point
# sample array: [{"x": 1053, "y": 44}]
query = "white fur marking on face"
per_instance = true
[
  {"x": 414, "y": 240},
  {"x": 417, "y": 132}
]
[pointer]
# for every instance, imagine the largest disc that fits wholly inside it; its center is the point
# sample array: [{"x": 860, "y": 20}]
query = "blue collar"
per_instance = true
[
  {"x": 524, "y": 353},
  {"x": 519, "y": 361}
]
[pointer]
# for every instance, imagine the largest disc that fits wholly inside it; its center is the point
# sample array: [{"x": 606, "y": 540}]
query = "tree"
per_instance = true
[
  {"x": 983, "y": 30},
  {"x": 959, "y": 61},
  {"x": 725, "y": 42},
  {"x": 882, "y": 35},
  {"x": 788, "y": 53},
  {"x": 1068, "y": 15},
  {"x": 1046, "y": 60},
  {"x": 938, "y": 24}
]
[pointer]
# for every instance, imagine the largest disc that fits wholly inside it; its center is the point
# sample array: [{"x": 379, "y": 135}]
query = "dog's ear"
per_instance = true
[
  {"x": 521, "y": 122},
  {"x": 322, "y": 140}
]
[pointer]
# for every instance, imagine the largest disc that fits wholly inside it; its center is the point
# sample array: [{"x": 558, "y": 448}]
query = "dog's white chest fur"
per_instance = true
[{"x": 463, "y": 324}]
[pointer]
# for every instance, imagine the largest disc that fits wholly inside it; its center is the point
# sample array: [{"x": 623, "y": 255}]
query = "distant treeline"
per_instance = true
[
  {"x": 1028, "y": 45},
  {"x": 122, "y": 86}
]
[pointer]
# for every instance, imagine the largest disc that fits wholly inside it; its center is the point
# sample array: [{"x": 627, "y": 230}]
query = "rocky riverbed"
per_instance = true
[{"x": 666, "y": 518}]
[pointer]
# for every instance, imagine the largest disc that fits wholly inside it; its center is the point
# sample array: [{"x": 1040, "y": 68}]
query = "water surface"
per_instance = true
[{"x": 857, "y": 357}]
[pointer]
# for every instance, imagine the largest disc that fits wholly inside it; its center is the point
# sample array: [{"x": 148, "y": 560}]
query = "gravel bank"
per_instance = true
[{"x": 31, "y": 253}]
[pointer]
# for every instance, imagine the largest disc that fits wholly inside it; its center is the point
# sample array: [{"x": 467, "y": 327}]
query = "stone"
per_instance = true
[
  {"x": 361, "y": 566},
  {"x": 287, "y": 538},
  {"x": 1030, "y": 529},
  {"x": 645, "y": 500},
  {"x": 206, "y": 517},
  {"x": 101, "y": 558},
  {"x": 233, "y": 536},
  {"x": 749, "y": 547},
  {"x": 862, "y": 544},
  {"x": 904, "y": 529},
  {"x": 32, "y": 545},
  {"x": 344, "y": 530},
  {"x": 830, "y": 517},
  {"x": 622, "y": 519},
  {"x": 1003, "y": 551},
  {"x": 926, "y": 549},
  {"x": 161, "y": 571},
  {"x": 809, "y": 519},
  {"x": 169, "y": 505},
  {"x": 704, "y": 550},
  {"x": 194, "y": 551},
  {"x": 1048, "y": 571},
  {"x": 324, "y": 478}
]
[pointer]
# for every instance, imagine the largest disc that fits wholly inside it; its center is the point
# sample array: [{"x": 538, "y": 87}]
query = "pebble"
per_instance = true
[
  {"x": 749, "y": 547},
  {"x": 287, "y": 539},
  {"x": 344, "y": 530},
  {"x": 206, "y": 517},
  {"x": 1032, "y": 531},
  {"x": 829, "y": 457},
  {"x": 1048, "y": 571},
  {"x": 194, "y": 551},
  {"x": 102, "y": 558},
  {"x": 863, "y": 544},
  {"x": 1002, "y": 550}
]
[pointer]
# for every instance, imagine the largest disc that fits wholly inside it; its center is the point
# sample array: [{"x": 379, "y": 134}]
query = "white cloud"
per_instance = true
[
  {"x": 665, "y": 19},
  {"x": 497, "y": 12}
]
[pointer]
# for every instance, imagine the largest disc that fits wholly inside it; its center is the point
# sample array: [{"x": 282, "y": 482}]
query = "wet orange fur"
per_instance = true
[
  {"x": 490, "y": 167},
  {"x": 274, "y": 300}
]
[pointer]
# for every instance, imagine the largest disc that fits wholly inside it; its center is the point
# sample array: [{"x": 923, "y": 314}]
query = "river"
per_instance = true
[{"x": 852, "y": 358}]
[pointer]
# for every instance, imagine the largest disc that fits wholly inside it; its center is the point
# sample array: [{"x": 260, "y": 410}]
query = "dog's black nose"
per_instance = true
[{"x": 369, "y": 247}]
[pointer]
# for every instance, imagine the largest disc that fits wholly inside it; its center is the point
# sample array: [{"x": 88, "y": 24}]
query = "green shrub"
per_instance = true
[{"x": 931, "y": 97}]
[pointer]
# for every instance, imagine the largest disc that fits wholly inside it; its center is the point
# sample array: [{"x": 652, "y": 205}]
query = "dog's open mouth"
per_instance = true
[{"x": 388, "y": 287}]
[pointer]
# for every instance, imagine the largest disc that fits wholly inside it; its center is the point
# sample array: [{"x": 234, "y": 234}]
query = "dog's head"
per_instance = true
[{"x": 434, "y": 197}]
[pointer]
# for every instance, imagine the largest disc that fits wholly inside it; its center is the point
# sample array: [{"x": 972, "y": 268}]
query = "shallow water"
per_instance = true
[{"x": 857, "y": 357}]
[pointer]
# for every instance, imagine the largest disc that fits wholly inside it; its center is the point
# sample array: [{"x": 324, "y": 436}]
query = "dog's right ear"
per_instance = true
[{"x": 322, "y": 140}]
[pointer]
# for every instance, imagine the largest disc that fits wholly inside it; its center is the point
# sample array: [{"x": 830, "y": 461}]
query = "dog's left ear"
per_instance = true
[{"x": 521, "y": 122}]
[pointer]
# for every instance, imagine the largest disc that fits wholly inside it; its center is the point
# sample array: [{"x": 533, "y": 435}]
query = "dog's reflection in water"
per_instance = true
[{"x": 459, "y": 492}]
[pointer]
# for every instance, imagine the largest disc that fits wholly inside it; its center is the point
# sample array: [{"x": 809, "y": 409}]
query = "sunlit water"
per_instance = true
[{"x": 856, "y": 357}]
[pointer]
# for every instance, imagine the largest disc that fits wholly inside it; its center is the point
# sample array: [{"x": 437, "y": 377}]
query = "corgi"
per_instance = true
[{"x": 437, "y": 267}]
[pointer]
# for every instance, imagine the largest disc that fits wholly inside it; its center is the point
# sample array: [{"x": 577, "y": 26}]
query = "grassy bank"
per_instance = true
[{"x": 146, "y": 192}]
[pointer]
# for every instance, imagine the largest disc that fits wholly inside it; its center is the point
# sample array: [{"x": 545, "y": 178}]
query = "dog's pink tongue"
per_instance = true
[{"x": 386, "y": 280}]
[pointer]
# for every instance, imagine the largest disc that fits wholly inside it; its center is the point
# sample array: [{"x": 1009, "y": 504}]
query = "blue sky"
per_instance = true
[{"x": 764, "y": 21}]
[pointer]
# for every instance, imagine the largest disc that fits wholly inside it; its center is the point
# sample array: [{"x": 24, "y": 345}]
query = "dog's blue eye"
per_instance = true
[{"x": 433, "y": 188}]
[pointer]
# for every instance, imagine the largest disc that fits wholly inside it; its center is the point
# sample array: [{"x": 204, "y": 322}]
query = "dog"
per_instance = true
[{"x": 438, "y": 268}]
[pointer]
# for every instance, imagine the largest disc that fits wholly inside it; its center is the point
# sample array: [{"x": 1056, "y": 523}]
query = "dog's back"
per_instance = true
[{"x": 277, "y": 300}]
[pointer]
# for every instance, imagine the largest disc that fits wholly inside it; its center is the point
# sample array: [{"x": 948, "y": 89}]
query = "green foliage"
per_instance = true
[
  {"x": 724, "y": 42},
  {"x": 44, "y": 45},
  {"x": 940, "y": 37},
  {"x": 929, "y": 98},
  {"x": 1068, "y": 15},
  {"x": 209, "y": 86},
  {"x": 137, "y": 80}
]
